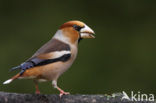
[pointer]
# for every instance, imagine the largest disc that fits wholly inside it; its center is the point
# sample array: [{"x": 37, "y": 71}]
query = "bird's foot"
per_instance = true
[
  {"x": 37, "y": 92},
  {"x": 63, "y": 93}
]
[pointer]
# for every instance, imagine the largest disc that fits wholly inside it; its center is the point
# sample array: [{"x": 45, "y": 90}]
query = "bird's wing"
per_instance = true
[
  {"x": 51, "y": 52},
  {"x": 52, "y": 46}
]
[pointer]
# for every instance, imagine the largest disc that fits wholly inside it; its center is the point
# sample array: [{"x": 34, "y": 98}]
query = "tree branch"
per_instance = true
[{"x": 33, "y": 98}]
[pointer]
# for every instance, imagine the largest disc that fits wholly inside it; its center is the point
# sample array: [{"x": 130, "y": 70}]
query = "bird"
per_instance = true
[{"x": 50, "y": 61}]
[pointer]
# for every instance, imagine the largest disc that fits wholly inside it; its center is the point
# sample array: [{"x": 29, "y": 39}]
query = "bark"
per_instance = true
[{"x": 78, "y": 98}]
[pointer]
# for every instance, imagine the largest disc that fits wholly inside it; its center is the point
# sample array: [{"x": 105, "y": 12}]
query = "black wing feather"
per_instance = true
[{"x": 40, "y": 62}]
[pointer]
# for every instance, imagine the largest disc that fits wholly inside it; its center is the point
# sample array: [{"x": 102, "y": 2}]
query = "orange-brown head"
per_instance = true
[{"x": 76, "y": 30}]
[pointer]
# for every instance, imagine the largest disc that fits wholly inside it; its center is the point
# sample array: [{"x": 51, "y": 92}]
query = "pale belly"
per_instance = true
[{"x": 53, "y": 71}]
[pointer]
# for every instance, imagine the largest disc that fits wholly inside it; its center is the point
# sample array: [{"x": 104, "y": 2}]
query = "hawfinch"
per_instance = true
[{"x": 54, "y": 57}]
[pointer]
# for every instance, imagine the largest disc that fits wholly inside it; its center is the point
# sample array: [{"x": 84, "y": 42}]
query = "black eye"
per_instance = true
[{"x": 76, "y": 27}]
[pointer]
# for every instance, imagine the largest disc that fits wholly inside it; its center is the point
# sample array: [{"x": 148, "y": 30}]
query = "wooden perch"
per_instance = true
[{"x": 33, "y": 98}]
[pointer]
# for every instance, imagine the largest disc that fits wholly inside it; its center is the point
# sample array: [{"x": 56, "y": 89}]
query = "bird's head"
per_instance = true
[{"x": 75, "y": 31}]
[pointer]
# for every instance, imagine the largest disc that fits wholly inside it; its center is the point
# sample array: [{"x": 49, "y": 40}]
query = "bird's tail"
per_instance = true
[{"x": 11, "y": 79}]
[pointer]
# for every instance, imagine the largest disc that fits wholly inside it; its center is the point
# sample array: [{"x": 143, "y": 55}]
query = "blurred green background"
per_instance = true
[{"x": 121, "y": 58}]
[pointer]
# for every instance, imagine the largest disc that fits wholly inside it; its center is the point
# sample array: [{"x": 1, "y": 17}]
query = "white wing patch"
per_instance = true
[{"x": 58, "y": 54}]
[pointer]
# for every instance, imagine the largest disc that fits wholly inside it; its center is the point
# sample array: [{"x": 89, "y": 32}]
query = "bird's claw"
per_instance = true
[
  {"x": 37, "y": 92},
  {"x": 63, "y": 93}
]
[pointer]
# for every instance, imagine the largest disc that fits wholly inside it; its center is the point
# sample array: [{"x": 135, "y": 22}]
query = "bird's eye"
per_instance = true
[{"x": 76, "y": 27}]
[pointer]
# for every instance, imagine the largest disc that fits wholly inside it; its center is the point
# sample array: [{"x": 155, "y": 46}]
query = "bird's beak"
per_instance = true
[{"x": 87, "y": 32}]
